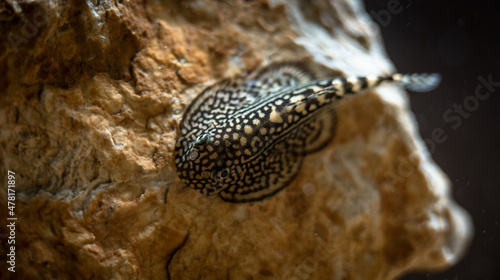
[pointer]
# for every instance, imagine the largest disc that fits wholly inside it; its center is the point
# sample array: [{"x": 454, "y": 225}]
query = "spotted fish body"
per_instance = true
[{"x": 246, "y": 139}]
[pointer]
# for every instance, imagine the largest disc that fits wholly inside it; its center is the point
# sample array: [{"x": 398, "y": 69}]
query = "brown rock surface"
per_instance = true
[{"x": 89, "y": 109}]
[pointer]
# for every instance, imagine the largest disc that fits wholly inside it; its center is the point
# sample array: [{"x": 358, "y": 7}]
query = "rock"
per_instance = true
[{"x": 93, "y": 94}]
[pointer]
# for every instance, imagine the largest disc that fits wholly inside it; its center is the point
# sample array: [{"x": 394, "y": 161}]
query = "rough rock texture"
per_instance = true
[{"x": 91, "y": 97}]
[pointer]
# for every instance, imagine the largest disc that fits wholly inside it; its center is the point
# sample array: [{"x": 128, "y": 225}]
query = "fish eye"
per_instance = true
[
  {"x": 221, "y": 174},
  {"x": 224, "y": 173},
  {"x": 201, "y": 140}
]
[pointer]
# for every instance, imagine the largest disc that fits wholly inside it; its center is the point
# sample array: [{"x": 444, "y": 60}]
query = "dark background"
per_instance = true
[{"x": 460, "y": 40}]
